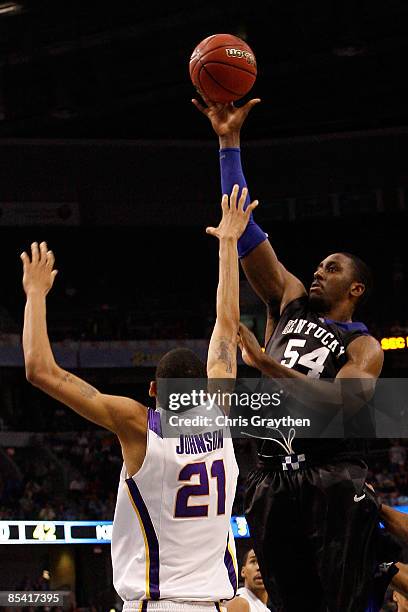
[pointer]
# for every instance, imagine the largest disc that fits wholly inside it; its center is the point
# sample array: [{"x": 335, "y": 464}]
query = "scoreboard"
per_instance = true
[
  {"x": 55, "y": 532},
  {"x": 77, "y": 532}
]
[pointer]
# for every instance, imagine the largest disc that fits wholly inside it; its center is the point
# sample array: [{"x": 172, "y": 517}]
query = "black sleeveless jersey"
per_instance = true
[
  {"x": 311, "y": 344},
  {"x": 316, "y": 347}
]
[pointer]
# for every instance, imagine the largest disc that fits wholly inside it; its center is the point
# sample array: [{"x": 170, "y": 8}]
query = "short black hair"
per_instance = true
[
  {"x": 180, "y": 363},
  {"x": 245, "y": 557},
  {"x": 362, "y": 274}
]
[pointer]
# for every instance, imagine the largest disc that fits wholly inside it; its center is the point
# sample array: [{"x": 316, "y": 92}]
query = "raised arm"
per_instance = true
[
  {"x": 267, "y": 275},
  {"x": 222, "y": 352},
  {"x": 121, "y": 415}
]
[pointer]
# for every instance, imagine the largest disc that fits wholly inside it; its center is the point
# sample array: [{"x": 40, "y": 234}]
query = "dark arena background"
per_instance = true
[{"x": 104, "y": 157}]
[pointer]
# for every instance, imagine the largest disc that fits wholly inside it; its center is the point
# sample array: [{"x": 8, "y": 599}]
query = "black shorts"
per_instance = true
[{"x": 315, "y": 531}]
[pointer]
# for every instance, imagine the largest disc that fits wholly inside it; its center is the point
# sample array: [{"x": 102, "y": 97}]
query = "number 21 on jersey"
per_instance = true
[{"x": 182, "y": 507}]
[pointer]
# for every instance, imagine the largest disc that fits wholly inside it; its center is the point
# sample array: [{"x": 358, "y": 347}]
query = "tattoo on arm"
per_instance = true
[
  {"x": 224, "y": 353},
  {"x": 85, "y": 389}
]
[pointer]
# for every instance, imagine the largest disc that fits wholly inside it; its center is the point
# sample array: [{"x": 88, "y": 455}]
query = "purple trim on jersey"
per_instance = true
[
  {"x": 144, "y": 606},
  {"x": 354, "y": 326},
  {"x": 229, "y": 564},
  {"x": 217, "y": 607},
  {"x": 154, "y": 423},
  {"x": 152, "y": 541}
]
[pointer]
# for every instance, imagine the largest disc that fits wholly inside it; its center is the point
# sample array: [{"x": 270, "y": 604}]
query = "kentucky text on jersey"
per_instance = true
[
  {"x": 308, "y": 328},
  {"x": 200, "y": 443}
]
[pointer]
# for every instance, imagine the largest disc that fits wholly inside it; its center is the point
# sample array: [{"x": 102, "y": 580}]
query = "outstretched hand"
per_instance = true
[
  {"x": 249, "y": 345},
  {"x": 225, "y": 118},
  {"x": 38, "y": 273},
  {"x": 234, "y": 217}
]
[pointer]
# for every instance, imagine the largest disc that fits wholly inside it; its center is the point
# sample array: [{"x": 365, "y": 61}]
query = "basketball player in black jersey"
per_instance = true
[{"x": 314, "y": 528}]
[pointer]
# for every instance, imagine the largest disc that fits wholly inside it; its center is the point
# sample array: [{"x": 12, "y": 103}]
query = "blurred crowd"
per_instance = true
[
  {"x": 77, "y": 480},
  {"x": 389, "y": 474}
]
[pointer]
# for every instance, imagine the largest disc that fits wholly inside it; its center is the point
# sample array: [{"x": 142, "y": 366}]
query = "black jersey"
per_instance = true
[
  {"x": 316, "y": 347},
  {"x": 311, "y": 344}
]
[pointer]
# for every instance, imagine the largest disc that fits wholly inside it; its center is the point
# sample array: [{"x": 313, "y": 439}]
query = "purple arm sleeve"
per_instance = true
[{"x": 231, "y": 174}]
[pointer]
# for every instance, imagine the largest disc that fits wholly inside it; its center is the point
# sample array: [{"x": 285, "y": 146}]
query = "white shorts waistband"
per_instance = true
[{"x": 167, "y": 605}]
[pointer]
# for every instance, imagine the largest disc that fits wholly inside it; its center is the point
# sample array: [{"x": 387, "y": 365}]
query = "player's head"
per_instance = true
[
  {"x": 401, "y": 601},
  {"x": 178, "y": 363},
  {"x": 340, "y": 277},
  {"x": 250, "y": 572}
]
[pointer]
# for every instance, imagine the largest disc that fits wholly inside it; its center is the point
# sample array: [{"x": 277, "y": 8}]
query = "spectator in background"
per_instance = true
[
  {"x": 397, "y": 456},
  {"x": 77, "y": 483},
  {"x": 47, "y": 513}
]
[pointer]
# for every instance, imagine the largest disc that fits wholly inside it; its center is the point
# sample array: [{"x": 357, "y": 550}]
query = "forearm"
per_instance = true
[
  {"x": 221, "y": 361},
  {"x": 395, "y": 522},
  {"x": 317, "y": 394},
  {"x": 232, "y": 174},
  {"x": 38, "y": 354},
  {"x": 228, "y": 285}
]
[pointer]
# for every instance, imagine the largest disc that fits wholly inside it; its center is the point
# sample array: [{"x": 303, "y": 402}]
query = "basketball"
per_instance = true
[{"x": 223, "y": 68}]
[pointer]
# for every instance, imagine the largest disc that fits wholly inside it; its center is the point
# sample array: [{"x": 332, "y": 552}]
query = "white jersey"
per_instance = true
[
  {"x": 255, "y": 604},
  {"x": 172, "y": 536}
]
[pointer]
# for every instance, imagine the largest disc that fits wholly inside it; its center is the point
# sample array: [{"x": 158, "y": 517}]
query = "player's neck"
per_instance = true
[
  {"x": 339, "y": 312},
  {"x": 261, "y": 594}
]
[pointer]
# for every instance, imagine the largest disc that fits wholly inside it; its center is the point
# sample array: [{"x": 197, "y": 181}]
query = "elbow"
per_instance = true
[
  {"x": 35, "y": 372},
  {"x": 32, "y": 374}
]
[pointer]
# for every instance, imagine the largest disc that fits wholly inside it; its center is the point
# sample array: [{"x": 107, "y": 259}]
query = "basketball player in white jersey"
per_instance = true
[
  {"x": 172, "y": 545},
  {"x": 252, "y": 597}
]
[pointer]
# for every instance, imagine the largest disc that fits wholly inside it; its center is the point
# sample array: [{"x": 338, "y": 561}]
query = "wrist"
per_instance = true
[
  {"x": 228, "y": 239},
  {"x": 230, "y": 140},
  {"x": 35, "y": 292}
]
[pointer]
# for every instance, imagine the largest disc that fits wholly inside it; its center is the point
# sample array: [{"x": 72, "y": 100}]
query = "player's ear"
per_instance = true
[
  {"x": 242, "y": 572},
  {"x": 357, "y": 289},
  {"x": 153, "y": 389}
]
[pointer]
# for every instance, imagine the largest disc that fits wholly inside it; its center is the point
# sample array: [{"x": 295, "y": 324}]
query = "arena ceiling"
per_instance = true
[{"x": 119, "y": 69}]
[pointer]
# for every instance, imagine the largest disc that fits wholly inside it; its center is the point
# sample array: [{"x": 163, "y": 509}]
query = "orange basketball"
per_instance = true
[{"x": 223, "y": 68}]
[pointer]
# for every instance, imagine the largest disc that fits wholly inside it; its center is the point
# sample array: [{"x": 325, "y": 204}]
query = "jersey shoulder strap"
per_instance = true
[{"x": 297, "y": 306}]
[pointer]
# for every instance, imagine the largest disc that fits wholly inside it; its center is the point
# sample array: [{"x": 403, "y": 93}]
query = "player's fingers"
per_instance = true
[
  {"x": 50, "y": 259},
  {"x": 53, "y": 275},
  {"x": 25, "y": 259},
  {"x": 43, "y": 252},
  {"x": 243, "y": 331},
  {"x": 249, "y": 105},
  {"x": 211, "y": 230},
  {"x": 242, "y": 199},
  {"x": 233, "y": 198},
  {"x": 224, "y": 204},
  {"x": 34, "y": 253},
  {"x": 209, "y": 103},
  {"x": 200, "y": 107},
  {"x": 252, "y": 206}
]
